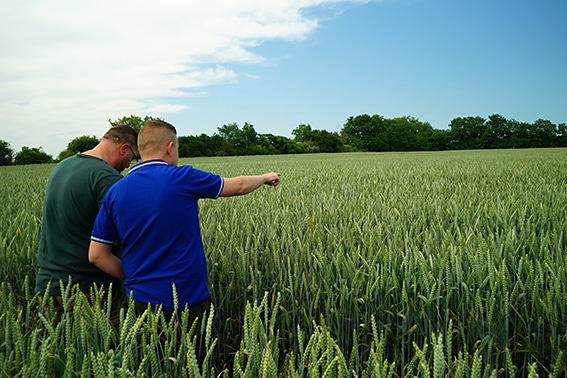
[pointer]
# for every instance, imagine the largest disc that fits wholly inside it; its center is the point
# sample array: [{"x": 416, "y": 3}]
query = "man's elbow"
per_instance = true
[
  {"x": 94, "y": 253},
  {"x": 92, "y": 258}
]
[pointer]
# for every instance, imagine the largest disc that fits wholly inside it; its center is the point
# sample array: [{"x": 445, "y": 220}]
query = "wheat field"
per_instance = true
[{"x": 427, "y": 264}]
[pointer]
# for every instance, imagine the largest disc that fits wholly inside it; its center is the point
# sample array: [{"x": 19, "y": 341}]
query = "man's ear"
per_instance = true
[{"x": 170, "y": 146}]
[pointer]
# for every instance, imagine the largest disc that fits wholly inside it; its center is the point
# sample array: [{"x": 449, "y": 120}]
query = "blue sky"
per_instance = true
[{"x": 67, "y": 66}]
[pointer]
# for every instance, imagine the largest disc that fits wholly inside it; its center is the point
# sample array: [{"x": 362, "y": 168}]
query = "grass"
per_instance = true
[{"x": 358, "y": 264}]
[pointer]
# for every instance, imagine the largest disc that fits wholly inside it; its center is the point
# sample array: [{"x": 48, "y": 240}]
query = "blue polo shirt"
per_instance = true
[{"x": 153, "y": 211}]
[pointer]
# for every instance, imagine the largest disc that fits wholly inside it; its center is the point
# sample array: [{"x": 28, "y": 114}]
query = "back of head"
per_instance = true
[
  {"x": 122, "y": 134},
  {"x": 154, "y": 138}
]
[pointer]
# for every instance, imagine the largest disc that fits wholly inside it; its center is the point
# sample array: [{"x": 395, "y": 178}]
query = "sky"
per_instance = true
[{"x": 67, "y": 67}]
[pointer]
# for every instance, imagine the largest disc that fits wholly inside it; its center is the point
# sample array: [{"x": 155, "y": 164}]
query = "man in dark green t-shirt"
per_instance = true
[{"x": 73, "y": 195}]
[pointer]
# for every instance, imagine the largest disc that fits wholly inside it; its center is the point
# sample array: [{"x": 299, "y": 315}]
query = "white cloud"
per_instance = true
[
  {"x": 166, "y": 108},
  {"x": 68, "y": 66}
]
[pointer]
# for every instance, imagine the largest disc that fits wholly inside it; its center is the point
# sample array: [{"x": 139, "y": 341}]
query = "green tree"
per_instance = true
[
  {"x": 278, "y": 144},
  {"x": 543, "y": 133},
  {"x": 498, "y": 132},
  {"x": 468, "y": 133},
  {"x": 354, "y": 132},
  {"x": 232, "y": 136},
  {"x": 79, "y": 144},
  {"x": 214, "y": 145},
  {"x": 376, "y": 133},
  {"x": 519, "y": 134},
  {"x": 302, "y": 133},
  {"x": 243, "y": 141},
  {"x": 249, "y": 134},
  {"x": 407, "y": 134},
  {"x": 33, "y": 155},
  {"x": 251, "y": 141},
  {"x": 6, "y": 153},
  {"x": 439, "y": 139},
  {"x": 135, "y": 121},
  {"x": 326, "y": 141},
  {"x": 193, "y": 146},
  {"x": 266, "y": 144},
  {"x": 310, "y": 140},
  {"x": 366, "y": 133},
  {"x": 561, "y": 136}
]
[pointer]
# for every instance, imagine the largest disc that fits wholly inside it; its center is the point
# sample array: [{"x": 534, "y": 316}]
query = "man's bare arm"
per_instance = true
[
  {"x": 236, "y": 186},
  {"x": 101, "y": 255}
]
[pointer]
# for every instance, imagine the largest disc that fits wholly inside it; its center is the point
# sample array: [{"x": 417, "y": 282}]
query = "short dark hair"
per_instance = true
[{"x": 122, "y": 134}]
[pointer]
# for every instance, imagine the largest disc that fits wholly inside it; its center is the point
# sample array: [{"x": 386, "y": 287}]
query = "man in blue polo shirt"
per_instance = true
[{"x": 153, "y": 212}]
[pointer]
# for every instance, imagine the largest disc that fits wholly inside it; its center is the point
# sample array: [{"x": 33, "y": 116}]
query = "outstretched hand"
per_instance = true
[{"x": 272, "y": 178}]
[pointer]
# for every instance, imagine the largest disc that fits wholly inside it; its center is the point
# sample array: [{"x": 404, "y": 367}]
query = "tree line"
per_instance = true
[{"x": 365, "y": 133}]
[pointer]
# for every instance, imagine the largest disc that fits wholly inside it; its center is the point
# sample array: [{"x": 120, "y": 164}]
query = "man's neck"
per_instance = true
[{"x": 100, "y": 152}]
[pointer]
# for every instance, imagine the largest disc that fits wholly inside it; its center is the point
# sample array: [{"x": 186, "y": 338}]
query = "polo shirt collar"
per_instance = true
[{"x": 147, "y": 163}]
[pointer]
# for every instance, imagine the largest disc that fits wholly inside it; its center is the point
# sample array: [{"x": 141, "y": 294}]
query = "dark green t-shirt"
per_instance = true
[{"x": 74, "y": 193}]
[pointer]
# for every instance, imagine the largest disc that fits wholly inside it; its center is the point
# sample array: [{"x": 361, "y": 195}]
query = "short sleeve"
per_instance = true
[{"x": 202, "y": 184}]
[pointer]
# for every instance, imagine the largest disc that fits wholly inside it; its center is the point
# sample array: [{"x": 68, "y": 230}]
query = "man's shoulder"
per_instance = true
[
  {"x": 83, "y": 160},
  {"x": 88, "y": 168}
]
